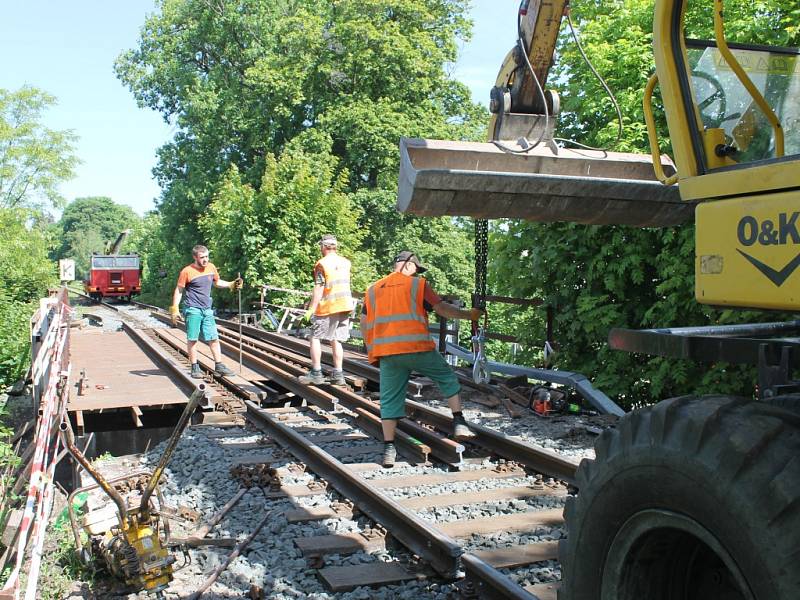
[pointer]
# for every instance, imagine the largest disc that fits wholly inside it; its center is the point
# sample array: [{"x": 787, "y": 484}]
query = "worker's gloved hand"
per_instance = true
[
  {"x": 237, "y": 284},
  {"x": 307, "y": 316},
  {"x": 476, "y": 314},
  {"x": 173, "y": 314}
]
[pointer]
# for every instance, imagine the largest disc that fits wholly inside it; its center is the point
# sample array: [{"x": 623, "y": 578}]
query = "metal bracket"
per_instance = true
[{"x": 775, "y": 379}]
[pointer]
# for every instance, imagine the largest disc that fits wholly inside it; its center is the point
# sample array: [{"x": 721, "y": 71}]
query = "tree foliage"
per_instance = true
[
  {"x": 603, "y": 277},
  {"x": 257, "y": 88},
  {"x": 34, "y": 160},
  {"x": 24, "y": 278},
  {"x": 271, "y": 235},
  {"x": 90, "y": 225}
]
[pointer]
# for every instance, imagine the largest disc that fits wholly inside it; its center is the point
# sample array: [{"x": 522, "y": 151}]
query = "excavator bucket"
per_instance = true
[{"x": 483, "y": 181}]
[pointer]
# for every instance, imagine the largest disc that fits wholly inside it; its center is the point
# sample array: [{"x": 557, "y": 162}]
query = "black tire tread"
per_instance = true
[{"x": 750, "y": 449}]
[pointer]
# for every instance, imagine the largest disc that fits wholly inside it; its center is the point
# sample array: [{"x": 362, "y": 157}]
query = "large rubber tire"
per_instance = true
[{"x": 690, "y": 499}]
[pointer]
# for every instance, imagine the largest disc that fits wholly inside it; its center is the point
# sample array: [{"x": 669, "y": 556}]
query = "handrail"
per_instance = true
[
  {"x": 744, "y": 79},
  {"x": 652, "y": 135}
]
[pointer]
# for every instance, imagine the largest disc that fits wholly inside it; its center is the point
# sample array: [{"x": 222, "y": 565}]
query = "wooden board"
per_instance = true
[
  {"x": 544, "y": 591},
  {"x": 524, "y": 521},
  {"x": 314, "y": 513},
  {"x": 345, "y": 579},
  {"x": 319, "y": 513},
  {"x": 450, "y": 499},
  {"x": 518, "y": 556},
  {"x": 344, "y": 543},
  {"x": 434, "y": 479}
]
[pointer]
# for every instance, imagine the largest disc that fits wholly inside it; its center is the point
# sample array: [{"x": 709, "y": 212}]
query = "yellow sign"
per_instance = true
[{"x": 760, "y": 62}]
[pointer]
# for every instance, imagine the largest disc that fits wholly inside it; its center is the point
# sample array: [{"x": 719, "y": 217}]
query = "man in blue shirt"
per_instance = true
[{"x": 196, "y": 280}]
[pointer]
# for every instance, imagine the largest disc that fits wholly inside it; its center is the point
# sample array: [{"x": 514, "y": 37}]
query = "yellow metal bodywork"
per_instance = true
[
  {"x": 748, "y": 251},
  {"x": 150, "y": 570},
  {"x": 747, "y": 229}
]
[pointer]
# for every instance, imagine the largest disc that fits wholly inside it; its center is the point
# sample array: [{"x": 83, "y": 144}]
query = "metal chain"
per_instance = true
[
  {"x": 481, "y": 260},
  {"x": 480, "y": 374}
]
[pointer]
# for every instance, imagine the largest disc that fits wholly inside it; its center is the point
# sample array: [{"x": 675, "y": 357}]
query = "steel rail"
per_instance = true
[
  {"x": 444, "y": 449},
  {"x": 439, "y": 550},
  {"x": 408, "y": 445},
  {"x": 538, "y": 459},
  {"x": 484, "y": 581},
  {"x": 357, "y": 367}
]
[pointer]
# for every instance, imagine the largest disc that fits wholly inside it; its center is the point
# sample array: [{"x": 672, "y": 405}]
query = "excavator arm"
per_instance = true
[
  {"x": 521, "y": 173},
  {"x": 519, "y": 102}
]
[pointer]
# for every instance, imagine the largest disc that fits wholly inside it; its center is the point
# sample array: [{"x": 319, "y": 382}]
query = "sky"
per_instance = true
[{"x": 68, "y": 50}]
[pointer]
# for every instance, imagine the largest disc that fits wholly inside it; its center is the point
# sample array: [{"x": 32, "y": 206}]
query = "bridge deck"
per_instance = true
[{"x": 119, "y": 374}]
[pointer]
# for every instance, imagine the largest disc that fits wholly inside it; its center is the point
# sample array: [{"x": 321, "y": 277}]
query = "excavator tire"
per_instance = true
[{"x": 693, "y": 498}]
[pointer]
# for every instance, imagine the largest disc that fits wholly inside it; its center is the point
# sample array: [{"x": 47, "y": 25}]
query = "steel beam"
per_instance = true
[{"x": 576, "y": 381}]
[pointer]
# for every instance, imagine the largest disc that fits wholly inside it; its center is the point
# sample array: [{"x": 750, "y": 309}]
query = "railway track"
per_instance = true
[
  {"x": 482, "y": 518},
  {"x": 533, "y": 499}
]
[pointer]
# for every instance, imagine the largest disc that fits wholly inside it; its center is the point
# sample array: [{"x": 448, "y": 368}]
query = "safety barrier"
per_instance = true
[{"x": 50, "y": 368}]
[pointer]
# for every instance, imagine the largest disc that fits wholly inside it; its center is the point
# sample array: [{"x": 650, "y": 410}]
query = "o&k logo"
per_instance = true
[{"x": 769, "y": 233}]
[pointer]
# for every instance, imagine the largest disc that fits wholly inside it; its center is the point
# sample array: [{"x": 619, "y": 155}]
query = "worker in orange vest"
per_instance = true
[
  {"x": 329, "y": 311},
  {"x": 395, "y": 330}
]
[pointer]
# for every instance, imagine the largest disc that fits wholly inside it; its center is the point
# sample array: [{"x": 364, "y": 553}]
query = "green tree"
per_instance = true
[
  {"x": 241, "y": 79},
  {"x": 271, "y": 235},
  {"x": 24, "y": 278},
  {"x": 88, "y": 225},
  {"x": 34, "y": 160}
]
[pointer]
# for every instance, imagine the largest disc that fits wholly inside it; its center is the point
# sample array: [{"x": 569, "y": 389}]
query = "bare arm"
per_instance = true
[
  {"x": 448, "y": 311},
  {"x": 177, "y": 295},
  {"x": 221, "y": 283},
  {"x": 316, "y": 296}
]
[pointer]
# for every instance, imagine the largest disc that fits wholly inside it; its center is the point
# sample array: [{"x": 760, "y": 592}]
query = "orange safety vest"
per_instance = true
[
  {"x": 336, "y": 297},
  {"x": 396, "y": 321}
]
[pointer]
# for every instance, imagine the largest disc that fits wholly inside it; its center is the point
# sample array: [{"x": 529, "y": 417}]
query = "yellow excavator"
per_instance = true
[{"x": 693, "y": 497}]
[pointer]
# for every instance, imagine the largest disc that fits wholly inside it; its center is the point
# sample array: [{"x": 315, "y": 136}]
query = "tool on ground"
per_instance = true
[
  {"x": 239, "y": 290},
  {"x": 131, "y": 544}
]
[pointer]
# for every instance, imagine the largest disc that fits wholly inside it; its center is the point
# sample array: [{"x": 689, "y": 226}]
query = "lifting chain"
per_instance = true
[{"x": 480, "y": 374}]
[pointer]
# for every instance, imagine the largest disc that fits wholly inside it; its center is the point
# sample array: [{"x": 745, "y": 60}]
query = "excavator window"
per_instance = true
[{"x": 724, "y": 103}]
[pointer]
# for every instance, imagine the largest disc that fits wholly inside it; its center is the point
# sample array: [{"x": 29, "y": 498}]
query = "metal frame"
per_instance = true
[{"x": 769, "y": 346}]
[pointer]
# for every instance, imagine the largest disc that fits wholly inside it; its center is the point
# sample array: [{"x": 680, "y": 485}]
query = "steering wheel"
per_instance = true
[{"x": 713, "y": 117}]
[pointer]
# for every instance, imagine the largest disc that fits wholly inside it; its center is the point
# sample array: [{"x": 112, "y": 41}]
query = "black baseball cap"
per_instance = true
[{"x": 406, "y": 256}]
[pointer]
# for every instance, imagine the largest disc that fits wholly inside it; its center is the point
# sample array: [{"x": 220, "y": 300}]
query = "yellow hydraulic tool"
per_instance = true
[{"x": 132, "y": 548}]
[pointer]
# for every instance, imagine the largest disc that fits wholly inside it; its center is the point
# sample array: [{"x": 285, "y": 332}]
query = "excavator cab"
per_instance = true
[{"x": 733, "y": 112}]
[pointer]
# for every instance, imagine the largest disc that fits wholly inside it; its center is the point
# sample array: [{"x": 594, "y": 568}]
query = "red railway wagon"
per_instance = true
[{"x": 115, "y": 276}]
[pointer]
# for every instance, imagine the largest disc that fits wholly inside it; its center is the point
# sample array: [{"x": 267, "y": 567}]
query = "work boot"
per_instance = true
[
  {"x": 337, "y": 378},
  {"x": 313, "y": 377},
  {"x": 222, "y": 369},
  {"x": 197, "y": 373},
  {"x": 461, "y": 430},
  {"x": 389, "y": 455}
]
